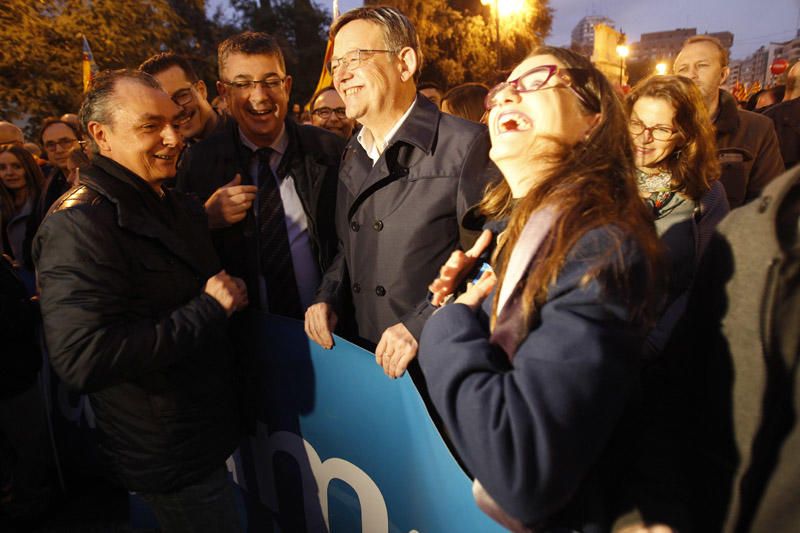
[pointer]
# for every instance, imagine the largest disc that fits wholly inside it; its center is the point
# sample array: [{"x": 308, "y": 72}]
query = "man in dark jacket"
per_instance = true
[
  {"x": 135, "y": 309},
  {"x": 786, "y": 117},
  {"x": 406, "y": 181},
  {"x": 746, "y": 142},
  {"x": 269, "y": 184}
]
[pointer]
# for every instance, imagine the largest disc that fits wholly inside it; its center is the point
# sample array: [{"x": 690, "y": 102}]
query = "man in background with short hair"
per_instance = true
[
  {"x": 328, "y": 112},
  {"x": 177, "y": 77},
  {"x": 10, "y": 134},
  {"x": 746, "y": 141},
  {"x": 432, "y": 92},
  {"x": 786, "y": 117},
  {"x": 59, "y": 139}
]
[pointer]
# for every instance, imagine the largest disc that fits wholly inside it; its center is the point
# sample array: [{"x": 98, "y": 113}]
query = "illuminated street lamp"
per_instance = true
[
  {"x": 622, "y": 52},
  {"x": 661, "y": 69},
  {"x": 503, "y": 8}
]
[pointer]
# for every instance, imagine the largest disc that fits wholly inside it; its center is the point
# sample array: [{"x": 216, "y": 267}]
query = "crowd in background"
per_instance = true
[{"x": 594, "y": 374}]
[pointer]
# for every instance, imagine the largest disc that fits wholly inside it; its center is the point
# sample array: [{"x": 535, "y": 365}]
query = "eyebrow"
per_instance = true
[
  {"x": 149, "y": 116},
  {"x": 265, "y": 76}
]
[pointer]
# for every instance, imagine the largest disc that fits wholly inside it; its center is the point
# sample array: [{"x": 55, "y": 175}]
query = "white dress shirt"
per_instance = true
[
  {"x": 367, "y": 141},
  {"x": 306, "y": 271}
]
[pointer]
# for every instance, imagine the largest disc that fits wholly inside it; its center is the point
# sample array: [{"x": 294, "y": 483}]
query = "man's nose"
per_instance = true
[{"x": 171, "y": 136}]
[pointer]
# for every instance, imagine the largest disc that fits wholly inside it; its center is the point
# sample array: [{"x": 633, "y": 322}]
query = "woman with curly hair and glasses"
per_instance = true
[
  {"x": 677, "y": 171},
  {"x": 534, "y": 366}
]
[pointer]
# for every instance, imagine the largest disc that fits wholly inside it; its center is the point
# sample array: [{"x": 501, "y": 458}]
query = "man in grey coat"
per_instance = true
[{"x": 405, "y": 182}]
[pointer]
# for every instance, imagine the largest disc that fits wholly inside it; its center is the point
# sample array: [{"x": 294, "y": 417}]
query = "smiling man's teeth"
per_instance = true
[
  {"x": 164, "y": 157},
  {"x": 351, "y": 91}
]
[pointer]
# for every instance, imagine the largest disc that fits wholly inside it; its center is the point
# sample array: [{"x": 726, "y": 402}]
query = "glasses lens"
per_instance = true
[
  {"x": 662, "y": 134},
  {"x": 340, "y": 112},
  {"x": 323, "y": 112},
  {"x": 635, "y": 127},
  {"x": 533, "y": 80},
  {"x": 183, "y": 97},
  {"x": 63, "y": 143}
]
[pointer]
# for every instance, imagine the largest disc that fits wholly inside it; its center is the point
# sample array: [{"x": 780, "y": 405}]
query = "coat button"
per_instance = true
[
  {"x": 380, "y": 291},
  {"x": 355, "y": 226},
  {"x": 356, "y": 287},
  {"x": 378, "y": 225}
]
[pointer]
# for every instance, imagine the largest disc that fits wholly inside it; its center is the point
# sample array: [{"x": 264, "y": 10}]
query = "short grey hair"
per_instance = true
[
  {"x": 100, "y": 100},
  {"x": 398, "y": 31}
]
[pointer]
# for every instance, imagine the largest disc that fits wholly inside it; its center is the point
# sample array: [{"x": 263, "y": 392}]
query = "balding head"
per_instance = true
[
  {"x": 10, "y": 134},
  {"x": 792, "y": 83},
  {"x": 71, "y": 118}
]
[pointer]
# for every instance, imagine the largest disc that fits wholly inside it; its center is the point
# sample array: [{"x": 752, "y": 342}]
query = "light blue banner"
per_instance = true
[{"x": 369, "y": 456}]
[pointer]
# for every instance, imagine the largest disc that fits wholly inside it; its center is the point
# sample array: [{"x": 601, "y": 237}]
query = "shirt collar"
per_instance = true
[
  {"x": 367, "y": 141},
  {"x": 279, "y": 145}
]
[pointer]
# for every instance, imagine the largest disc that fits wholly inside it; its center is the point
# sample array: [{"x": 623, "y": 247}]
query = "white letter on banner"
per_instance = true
[{"x": 374, "y": 514}]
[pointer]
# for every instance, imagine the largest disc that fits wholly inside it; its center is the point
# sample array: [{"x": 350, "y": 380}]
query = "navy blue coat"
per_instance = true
[{"x": 536, "y": 433}]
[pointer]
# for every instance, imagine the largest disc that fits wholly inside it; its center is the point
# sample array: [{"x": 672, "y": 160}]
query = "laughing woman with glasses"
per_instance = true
[
  {"x": 677, "y": 172},
  {"x": 534, "y": 366}
]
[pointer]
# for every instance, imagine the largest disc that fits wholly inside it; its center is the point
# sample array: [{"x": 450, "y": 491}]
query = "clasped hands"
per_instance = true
[{"x": 397, "y": 346}]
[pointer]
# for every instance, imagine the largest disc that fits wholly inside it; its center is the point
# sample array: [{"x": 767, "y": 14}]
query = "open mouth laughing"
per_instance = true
[{"x": 513, "y": 121}]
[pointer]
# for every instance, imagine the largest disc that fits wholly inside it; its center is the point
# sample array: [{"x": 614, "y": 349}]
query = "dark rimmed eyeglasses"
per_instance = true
[
  {"x": 536, "y": 80},
  {"x": 65, "y": 144},
  {"x": 352, "y": 59},
  {"x": 658, "y": 133},
  {"x": 271, "y": 83},
  {"x": 325, "y": 112},
  {"x": 183, "y": 97}
]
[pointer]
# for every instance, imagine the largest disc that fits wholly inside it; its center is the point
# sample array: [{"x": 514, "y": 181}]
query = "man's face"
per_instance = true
[
  {"x": 142, "y": 136},
  {"x": 59, "y": 141},
  {"x": 701, "y": 62},
  {"x": 329, "y": 113},
  {"x": 260, "y": 110},
  {"x": 190, "y": 96},
  {"x": 10, "y": 135},
  {"x": 432, "y": 94},
  {"x": 375, "y": 82}
]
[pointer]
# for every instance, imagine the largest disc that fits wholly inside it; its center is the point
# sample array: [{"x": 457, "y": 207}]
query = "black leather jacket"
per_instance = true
[{"x": 126, "y": 319}]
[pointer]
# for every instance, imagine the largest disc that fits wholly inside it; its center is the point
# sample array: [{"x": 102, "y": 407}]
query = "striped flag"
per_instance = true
[
  {"x": 325, "y": 78},
  {"x": 89, "y": 66}
]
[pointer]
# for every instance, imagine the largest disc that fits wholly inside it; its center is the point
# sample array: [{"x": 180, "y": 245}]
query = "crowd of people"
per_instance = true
[{"x": 594, "y": 293}]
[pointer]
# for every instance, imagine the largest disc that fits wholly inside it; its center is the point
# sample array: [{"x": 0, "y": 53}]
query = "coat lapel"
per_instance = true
[{"x": 413, "y": 141}]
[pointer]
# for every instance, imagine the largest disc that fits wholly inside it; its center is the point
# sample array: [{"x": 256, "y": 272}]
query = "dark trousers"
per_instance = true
[{"x": 208, "y": 506}]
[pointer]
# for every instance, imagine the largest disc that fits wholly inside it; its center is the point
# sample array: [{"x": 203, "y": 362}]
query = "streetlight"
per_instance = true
[
  {"x": 622, "y": 52},
  {"x": 503, "y": 8},
  {"x": 661, "y": 69}
]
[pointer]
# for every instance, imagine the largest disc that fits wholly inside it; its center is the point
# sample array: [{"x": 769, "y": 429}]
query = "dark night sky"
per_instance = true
[{"x": 753, "y": 22}]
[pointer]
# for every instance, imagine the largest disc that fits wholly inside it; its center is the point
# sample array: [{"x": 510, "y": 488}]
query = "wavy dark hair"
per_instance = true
[
  {"x": 466, "y": 100},
  {"x": 591, "y": 184},
  {"x": 33, "y": 180},
  {"x": 693, "y": 163}
]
